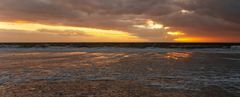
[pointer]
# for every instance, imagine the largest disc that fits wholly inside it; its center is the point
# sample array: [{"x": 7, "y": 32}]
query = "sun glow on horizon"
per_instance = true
[
  {"x": 193, "y": 39},
  {"x": 36, "y": 27},
  {"x": 73, "y": 33}
]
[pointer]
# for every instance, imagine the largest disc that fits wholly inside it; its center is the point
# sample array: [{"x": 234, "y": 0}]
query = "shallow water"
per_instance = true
[{"x": 165, "y": 70}]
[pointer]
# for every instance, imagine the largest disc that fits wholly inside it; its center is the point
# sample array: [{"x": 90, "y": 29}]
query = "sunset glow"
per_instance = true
[
  {"x": 193, "y": 39},
  {"x": 176, "y": 33},
  {"x": 119, "y": 21},
  {"x": 35, "y": 27},
  {"x": 119, "y": 48},
  {"x": 111, "y": 34},
  {"x": 150, "y": 25}
]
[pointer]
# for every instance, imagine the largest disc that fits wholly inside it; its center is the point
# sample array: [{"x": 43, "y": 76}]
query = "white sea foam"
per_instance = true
[{"x": 235, "y": 47}]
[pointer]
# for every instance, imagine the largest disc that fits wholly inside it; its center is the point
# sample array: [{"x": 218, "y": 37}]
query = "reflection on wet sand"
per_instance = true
[
  {"x": 177, "y": 55},
  {"x": 101, "y": 73}
]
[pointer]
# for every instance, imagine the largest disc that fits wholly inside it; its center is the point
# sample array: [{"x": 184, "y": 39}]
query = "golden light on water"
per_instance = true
[{"x": 177, "y": 55}]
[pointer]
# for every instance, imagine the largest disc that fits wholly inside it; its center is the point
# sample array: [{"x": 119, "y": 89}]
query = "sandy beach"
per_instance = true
[{"x": 131, "y": 73}]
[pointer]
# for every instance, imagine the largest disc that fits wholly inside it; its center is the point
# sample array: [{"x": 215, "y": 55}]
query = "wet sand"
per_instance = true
[
  {"x": 119, "y": 74},
  {"x": 102, "y": 89}
]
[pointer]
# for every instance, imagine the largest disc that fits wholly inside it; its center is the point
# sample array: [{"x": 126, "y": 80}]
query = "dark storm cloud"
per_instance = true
[
  {"x": 196, "y": 24},
  {"x": 82, "y": 10},
  {"x": 205, "y": 17},
  {"x": 215, "y": 18},
  {"x": 225, "y": 9},
  {"x": 34, "y": 10}
]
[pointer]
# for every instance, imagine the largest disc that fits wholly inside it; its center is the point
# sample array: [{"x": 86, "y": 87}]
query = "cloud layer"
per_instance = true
[{"x": 217, "y": 19}]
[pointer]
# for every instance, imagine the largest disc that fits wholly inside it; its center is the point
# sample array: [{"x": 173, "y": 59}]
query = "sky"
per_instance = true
[{"x": 120, "y": 21}]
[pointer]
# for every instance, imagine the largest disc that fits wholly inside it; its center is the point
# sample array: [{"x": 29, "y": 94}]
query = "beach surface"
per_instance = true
[{"x": 119, "y": 72}]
